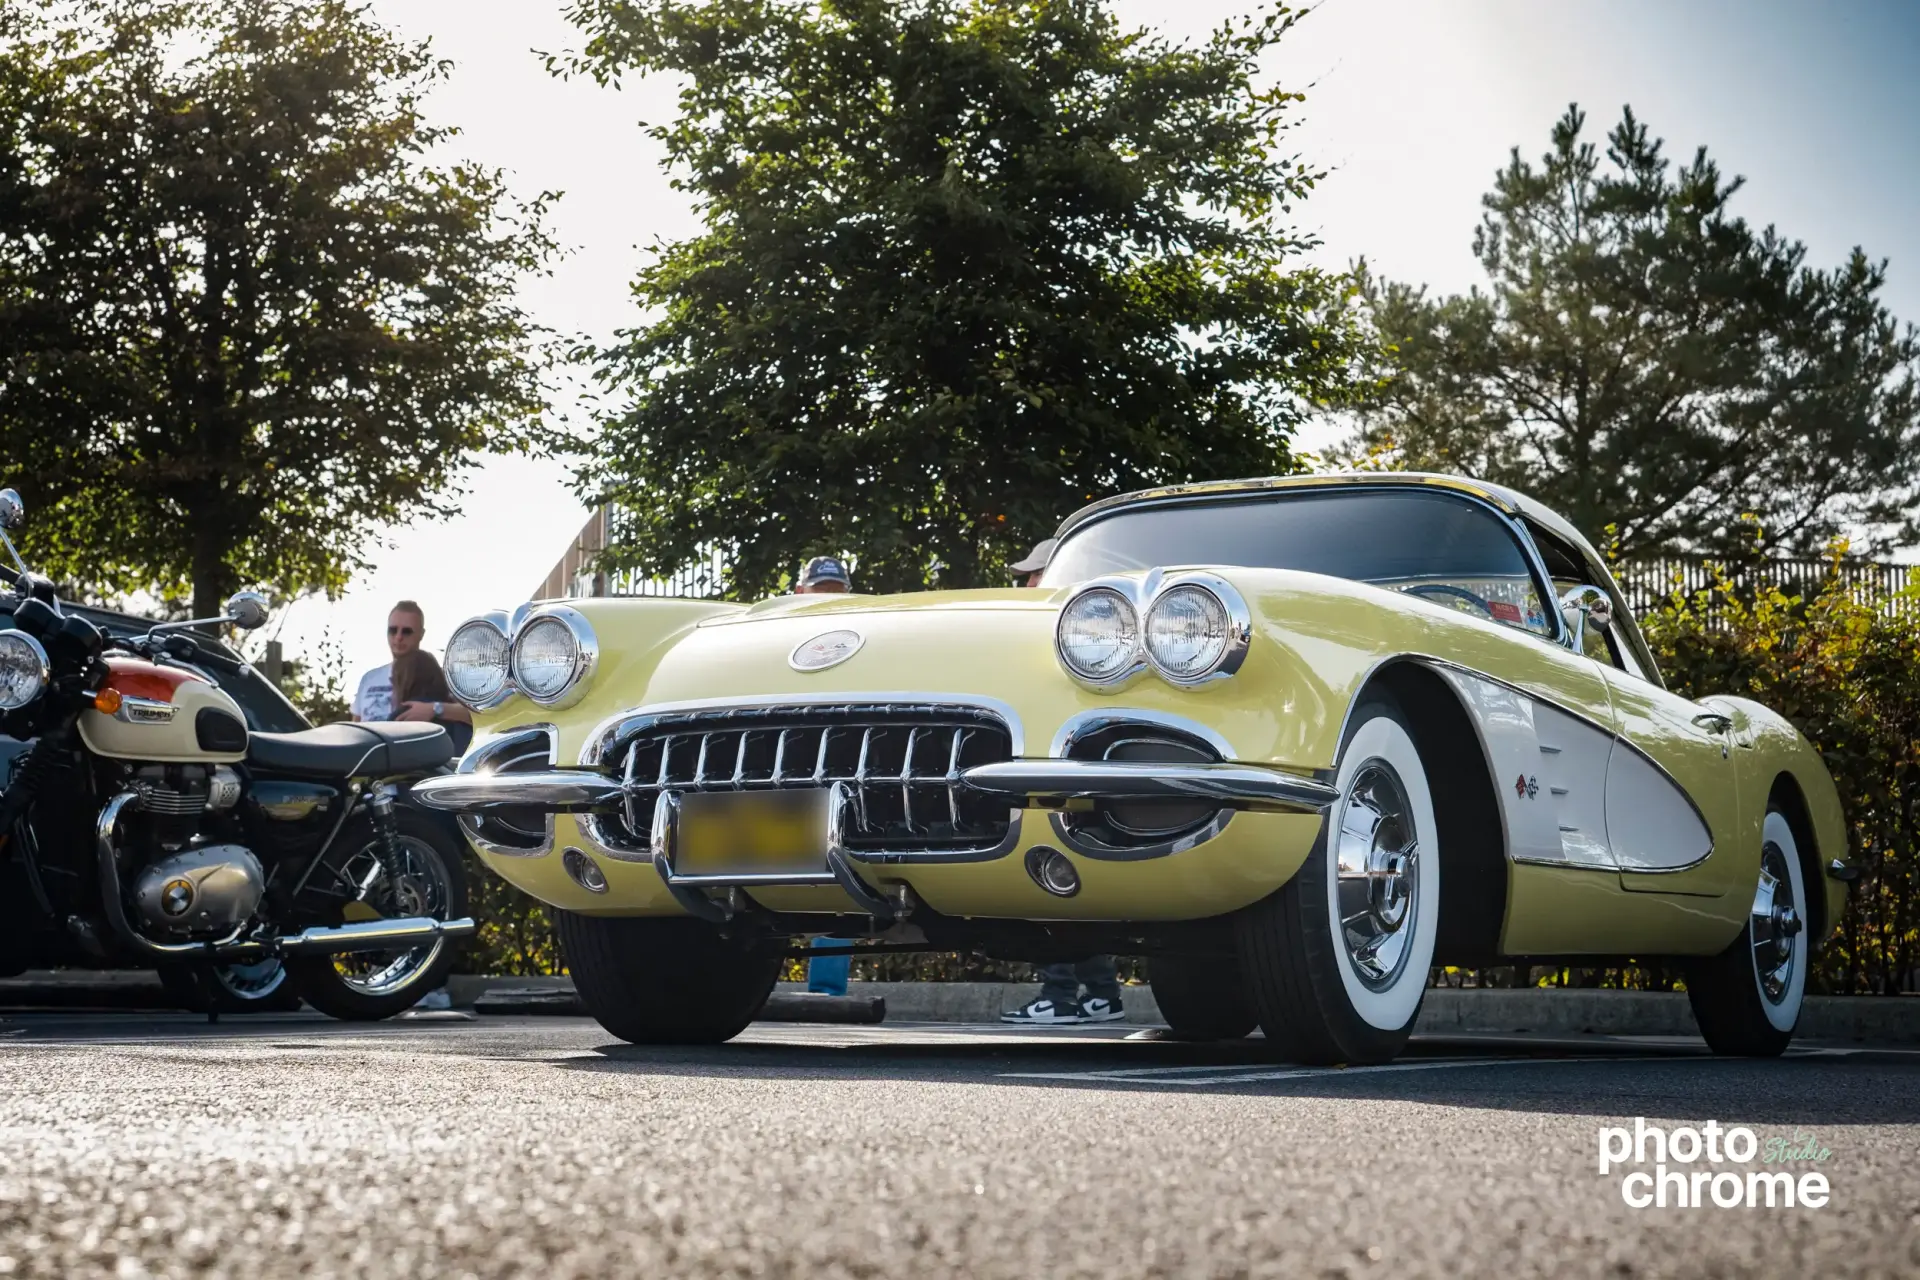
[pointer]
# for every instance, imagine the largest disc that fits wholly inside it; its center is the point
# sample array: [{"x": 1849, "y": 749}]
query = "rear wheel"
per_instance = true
[
  {"x": 666, "y": 981},
  {"x": 1336, "y": 962},
  {"x": 1747, "y": 999},
  {"x": 1202, "y": 997},
  {"x": 427, "y": 879}
]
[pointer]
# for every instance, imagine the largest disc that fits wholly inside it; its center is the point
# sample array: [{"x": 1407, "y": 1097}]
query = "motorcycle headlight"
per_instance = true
[
  {"x": 23, "y": 669},
  {"x": 477, "y": 666},
  {"x": 553, "y": 652},
  {"x": 1098, "y": 636}
]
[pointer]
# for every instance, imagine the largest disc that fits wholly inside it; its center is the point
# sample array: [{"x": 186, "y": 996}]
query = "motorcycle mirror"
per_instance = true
[
  {"x": 13, "y": 512},
  {"x": 247, "y": 610}
]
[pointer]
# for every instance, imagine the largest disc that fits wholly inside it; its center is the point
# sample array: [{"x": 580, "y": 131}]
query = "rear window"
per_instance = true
[{"x": 1441, "y": 547}]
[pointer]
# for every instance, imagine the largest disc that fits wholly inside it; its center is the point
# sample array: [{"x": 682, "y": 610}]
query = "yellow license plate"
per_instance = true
[{"x": 751, "y": 833}]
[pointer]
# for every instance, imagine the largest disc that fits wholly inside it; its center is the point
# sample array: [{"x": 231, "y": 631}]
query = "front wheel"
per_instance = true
[
  {"x": 1747, "y": 998},
  {"x": 666, "y": 981},
  {"x": 425, "y": 878},
  {"x": 259, "y": 987},
  {"x": 1336, "y": 961}
]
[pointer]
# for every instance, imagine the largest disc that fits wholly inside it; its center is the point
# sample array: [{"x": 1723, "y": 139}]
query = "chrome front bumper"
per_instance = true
[{"x": 1027, "y": 783}]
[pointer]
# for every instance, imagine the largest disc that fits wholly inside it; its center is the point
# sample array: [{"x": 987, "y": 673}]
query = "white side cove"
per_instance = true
[
  {"x": 1549, "y": 770},
  {"x": 1650, "y": 822}
]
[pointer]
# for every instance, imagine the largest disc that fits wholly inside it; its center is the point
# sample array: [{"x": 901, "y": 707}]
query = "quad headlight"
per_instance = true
[
  {"x": 553, "y": 652},
  {"x": 546, "y": 653},
  {"x": 1190, "y": 627},
  {"x": 1098, "y": 636},
  {"x": 1188, "y": 632},
  {"x": 23, "y": 669},
  {"x": 477, "y": 665}
]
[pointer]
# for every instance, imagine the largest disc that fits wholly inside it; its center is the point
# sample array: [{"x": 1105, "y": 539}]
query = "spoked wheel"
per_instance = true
[
  {"x": 259, "y": 987},
  {"x": 425, "y": 879},
  {"x": 1747, "y": 999},
  {"x": 1336, "y": 962}
]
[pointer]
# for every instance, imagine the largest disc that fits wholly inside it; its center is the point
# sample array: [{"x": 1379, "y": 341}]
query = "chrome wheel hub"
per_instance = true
[
  {"x": 1774, "y": 926},
  {"x": 418, "y": 889},
  {"x": 1376, "y": 865}
]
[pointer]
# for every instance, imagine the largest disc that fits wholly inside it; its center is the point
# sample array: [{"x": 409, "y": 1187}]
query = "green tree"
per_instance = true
[
  {"x": 1642, "y": 358},
  {"x": 966, "y": 264},
  {"x": 244, "y": 320}
]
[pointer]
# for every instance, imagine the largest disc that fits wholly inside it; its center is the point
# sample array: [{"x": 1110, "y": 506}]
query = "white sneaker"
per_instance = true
[
  {"x": 1045, "y": 1013},
  {"x": 1094, "y": 1009}
]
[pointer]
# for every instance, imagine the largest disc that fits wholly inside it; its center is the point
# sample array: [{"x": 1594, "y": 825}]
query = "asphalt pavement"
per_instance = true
[{"x": 151, "y": 1144}]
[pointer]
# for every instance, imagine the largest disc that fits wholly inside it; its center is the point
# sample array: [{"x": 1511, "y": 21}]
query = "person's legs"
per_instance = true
[
  {"x": 1102, "y": 976},
  {"x": 827, "y": 975}
]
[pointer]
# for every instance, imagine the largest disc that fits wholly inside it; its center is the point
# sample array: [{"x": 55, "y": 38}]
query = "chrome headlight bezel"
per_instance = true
[
  {"x": 506, "y": 689},
  {"x": 1236, "y": 620},
  {"x": 1133, "y": 663},
  {"x": 1142, "y": 594},
  {"x": 35, "y": 655},
  {"x": 586, "y": 654}
]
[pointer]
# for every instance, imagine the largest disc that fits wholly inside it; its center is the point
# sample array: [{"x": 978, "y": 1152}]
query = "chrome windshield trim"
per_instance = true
[
  {"x": 1238, "y": 786},
  {"x": 607, "y": 732}
]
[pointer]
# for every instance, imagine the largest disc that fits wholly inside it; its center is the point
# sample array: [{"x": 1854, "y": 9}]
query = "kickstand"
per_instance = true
[{"x": 209, "y": 991}]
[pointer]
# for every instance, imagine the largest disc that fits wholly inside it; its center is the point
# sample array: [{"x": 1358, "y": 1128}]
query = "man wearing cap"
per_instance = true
[
  {"x": 822, "y": 575},
  {"x": 1027, "y": 572},
  {"x": 825, "y": 575},
  {"x": 1059, "y": 1002}
]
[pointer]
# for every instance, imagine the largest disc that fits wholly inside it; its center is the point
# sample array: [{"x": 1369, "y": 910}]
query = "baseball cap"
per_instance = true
[
  {"x": 824, "y": 569},
  {"x": 1037, "y": 558}
]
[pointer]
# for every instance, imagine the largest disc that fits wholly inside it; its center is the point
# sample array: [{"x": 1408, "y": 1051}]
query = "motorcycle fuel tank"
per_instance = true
[{"x": 163, "y": 714}]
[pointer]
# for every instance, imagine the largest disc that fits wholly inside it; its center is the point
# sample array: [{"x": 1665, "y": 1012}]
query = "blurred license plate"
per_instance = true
[{"x": 751, "y": 832}]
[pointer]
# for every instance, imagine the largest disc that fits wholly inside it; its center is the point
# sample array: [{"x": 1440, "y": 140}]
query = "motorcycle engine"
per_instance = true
[
  {"x": 209, "y": 889},
  {"x": 174, "y": 796}
]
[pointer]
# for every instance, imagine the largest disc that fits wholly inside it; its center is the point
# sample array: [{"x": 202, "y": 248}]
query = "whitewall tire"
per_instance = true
[
  {"x": 1336, "y": 962},
  {"x": 1747, "y": 999}
]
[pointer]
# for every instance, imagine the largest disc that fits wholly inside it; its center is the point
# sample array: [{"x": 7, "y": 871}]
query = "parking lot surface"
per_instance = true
[{"x": 444, "y": 1145}]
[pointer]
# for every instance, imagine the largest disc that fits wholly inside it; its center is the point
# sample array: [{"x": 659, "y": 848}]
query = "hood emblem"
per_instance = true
[{"x": 828, "y": 649}]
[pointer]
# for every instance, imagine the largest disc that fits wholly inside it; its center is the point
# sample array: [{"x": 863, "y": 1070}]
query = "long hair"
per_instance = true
[{"x": 417, "y": 677}]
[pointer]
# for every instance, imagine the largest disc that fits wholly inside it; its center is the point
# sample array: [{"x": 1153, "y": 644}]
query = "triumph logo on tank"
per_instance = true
[{"x": 1713, "y": 1167}]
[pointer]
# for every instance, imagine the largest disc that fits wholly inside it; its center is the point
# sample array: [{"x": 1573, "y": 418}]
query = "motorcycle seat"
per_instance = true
[{"x": 370, "y": 749}]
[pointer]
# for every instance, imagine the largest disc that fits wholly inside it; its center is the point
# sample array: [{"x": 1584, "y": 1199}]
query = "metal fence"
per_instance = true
[{"x": 1647, "y": 583}]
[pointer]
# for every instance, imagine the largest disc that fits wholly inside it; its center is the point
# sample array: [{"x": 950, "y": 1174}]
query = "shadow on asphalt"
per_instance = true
[{"x": 1585, "y": 1076}]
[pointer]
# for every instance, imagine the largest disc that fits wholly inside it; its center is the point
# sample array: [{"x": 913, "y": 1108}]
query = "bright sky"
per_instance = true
[{"x": 1411, "y": 104}]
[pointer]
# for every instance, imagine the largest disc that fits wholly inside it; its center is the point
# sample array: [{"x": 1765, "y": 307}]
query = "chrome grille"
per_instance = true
[{"x": 901, "y": 763}]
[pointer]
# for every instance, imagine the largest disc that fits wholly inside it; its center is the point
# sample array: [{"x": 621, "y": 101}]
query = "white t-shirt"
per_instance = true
[{"x": 373, "y": 700}]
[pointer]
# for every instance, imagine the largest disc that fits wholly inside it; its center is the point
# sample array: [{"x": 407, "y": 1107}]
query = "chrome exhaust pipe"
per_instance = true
[{"x": 372, "y": 935}]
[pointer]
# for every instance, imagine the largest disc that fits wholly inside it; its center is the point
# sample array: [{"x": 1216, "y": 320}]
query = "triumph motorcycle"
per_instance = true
[{"x": 143, "y": 824}]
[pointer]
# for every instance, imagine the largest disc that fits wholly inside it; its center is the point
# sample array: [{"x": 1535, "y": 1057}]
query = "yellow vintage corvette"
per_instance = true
[{"x": 1298, "y": 740}]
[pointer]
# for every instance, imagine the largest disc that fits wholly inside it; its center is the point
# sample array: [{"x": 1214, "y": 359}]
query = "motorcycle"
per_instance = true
[{"x": 145, "y": 824}]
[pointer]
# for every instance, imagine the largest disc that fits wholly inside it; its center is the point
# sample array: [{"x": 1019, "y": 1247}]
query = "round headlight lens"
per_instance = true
[
  {"x": 23, "y": 669},
  {"x": 1188, "y": 631},
  {"x": 477, "y": 663},
  {"x": 546, "y": 657},
  {"x": 1098, "y": 635}
]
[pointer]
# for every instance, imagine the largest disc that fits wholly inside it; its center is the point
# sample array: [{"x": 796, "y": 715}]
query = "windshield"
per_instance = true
[{"x": 1439, "y": 546}]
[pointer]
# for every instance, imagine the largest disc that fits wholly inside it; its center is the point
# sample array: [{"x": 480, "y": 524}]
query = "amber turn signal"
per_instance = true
[{"x": 107, "y": 701}]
